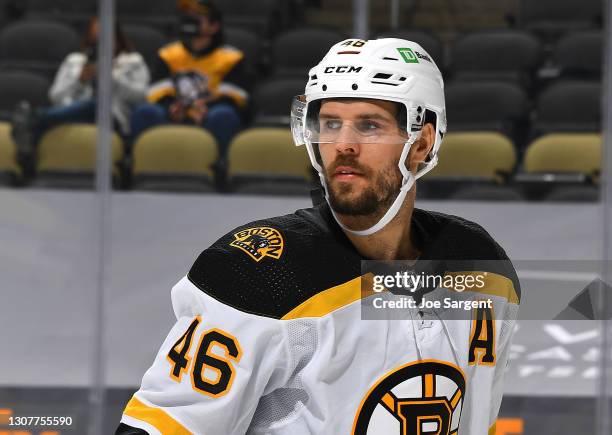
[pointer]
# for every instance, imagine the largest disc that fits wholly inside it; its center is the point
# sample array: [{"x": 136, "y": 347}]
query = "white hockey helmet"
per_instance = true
[{"x": 384, "y": 69}]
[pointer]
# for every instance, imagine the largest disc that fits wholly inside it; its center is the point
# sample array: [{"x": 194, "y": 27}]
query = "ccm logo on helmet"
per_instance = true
[{"x": 342, "y": 69}]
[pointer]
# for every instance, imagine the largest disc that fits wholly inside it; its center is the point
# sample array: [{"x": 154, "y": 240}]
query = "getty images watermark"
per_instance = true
[
  {"x": 411, "y": 281},
  {"x": 456, "y": 289},
  {"x": 544, "y": 289}
]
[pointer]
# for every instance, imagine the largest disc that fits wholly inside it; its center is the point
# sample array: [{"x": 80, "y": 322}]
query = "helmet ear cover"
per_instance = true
[{"x": 431, "y": 118}]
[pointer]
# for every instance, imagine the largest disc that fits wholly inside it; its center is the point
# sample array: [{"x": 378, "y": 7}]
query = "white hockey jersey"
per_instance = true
[{"x": 271, "y": 338}]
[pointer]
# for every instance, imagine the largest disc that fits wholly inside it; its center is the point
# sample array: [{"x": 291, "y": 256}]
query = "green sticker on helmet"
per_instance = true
[{"x": 408, "y": 55}]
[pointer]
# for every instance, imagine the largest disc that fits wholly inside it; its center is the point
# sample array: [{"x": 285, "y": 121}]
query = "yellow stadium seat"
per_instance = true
[
  {"x": 174, "y": 157},
  {"x": 265, "y": 160},
  {"x": 475, "y": 155},
  {"x": 9, "y": 170},
  {"x": 565, "y": 153},
  {"x": 67, "y": 155}
]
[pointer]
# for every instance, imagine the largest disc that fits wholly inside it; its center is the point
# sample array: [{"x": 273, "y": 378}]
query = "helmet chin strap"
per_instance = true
[{"x": 408, "y": 180}]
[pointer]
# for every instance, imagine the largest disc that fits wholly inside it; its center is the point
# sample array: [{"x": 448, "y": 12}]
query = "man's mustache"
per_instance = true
[{"x": 348, "y": 161}]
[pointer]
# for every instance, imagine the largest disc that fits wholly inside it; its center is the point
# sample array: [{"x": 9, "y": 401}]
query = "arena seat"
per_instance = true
[
  {"x": 75, "y": 13},
  {"x": 174, "y": 158},
  {"x": 486, "y": 155},
  {"x": 560, "y": 160},
  {"x": 296, "y": 51},
  {"x": 262, "y": 17},
  {"x": 66, "y": 156},
  {"x": 552, "y": 17},
  {"x": 161, "y": 14},
  {"x": 565, "y": 153},
  {"x": 16, "y": 86},
  {"x": 36, "y": 45},
  {"x": 250, "y": 44},
  {"x": 579, "y": 55},
  {"x": 10, "y": 172},
  {"x": 508, "y": 55},
  {"x": 272, "y": 100},
  {"x": 469, "y": 159},
  {"x": 488, "y": 106},
  {"x": 147, "y": 41},
  {"x": 11, "y": 10},
  {"x": 569, "y": 106},
  {"x": 266, "y": 161}
]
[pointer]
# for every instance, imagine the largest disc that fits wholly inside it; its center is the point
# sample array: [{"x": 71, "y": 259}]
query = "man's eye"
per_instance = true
[
  {"x": 332, "y": 124},
  {"x": 368, "y": 126}
]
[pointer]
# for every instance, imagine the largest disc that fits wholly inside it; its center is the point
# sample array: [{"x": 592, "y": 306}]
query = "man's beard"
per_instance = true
[{"x": 372, "y": 201}]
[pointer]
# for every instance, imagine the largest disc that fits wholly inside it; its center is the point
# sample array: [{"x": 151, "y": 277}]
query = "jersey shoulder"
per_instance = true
[
  {"x": 462, "y": 245},
  {"x": 270, "y": 266},
  {"x": 231, "y": 51},
  {"x": 172, "y": 49},
  {"x": 455, "y": 238}
]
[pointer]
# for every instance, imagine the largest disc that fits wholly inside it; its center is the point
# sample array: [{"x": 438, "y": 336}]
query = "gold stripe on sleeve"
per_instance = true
[
  {"x": 156, "y": 417},
  {"x": 333, "y": 298}
]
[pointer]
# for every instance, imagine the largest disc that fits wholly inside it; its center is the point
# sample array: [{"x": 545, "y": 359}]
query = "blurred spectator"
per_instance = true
[
  {"x": 198, "y": 80},
  {"x": 73, "y": 90}
]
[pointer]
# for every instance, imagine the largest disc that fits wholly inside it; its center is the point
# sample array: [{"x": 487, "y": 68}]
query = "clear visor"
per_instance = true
[
  {"x": 330, "y": 126},
  {"x": 298, "y": 110}
]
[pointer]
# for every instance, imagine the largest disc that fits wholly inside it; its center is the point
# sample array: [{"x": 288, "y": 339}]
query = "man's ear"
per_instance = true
[{"x": 421, "y": 148}]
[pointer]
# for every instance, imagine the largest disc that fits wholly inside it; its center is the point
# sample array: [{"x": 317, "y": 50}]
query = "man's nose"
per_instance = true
[{"x": 347, "y": 140}]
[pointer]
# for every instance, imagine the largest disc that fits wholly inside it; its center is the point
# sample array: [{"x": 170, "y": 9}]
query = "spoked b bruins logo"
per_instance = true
[
  {"x": 420, "y": 398},
  {"x": 259, "y": 242}
]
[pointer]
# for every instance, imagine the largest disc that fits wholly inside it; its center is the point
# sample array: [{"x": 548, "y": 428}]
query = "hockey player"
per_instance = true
[{"x": 271, "y": 336}]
